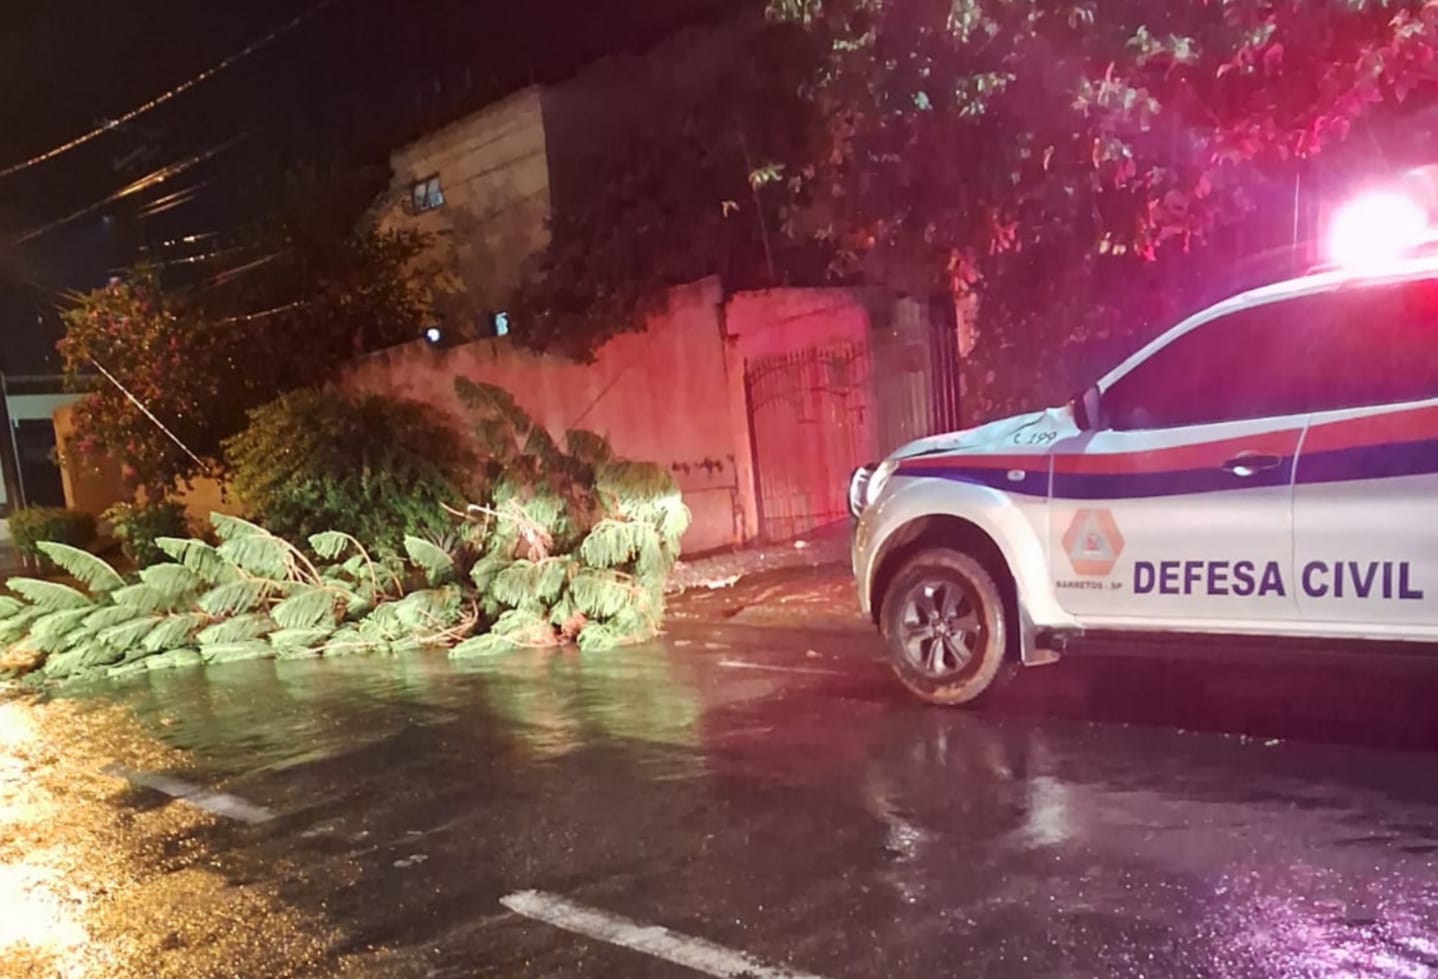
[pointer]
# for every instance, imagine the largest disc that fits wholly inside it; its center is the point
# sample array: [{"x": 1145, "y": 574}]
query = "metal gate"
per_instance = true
[{"x": 811, "y": 424}]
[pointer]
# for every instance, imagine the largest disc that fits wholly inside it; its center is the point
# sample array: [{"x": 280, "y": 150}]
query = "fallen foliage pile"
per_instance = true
[{"x": 569, "y": 546}]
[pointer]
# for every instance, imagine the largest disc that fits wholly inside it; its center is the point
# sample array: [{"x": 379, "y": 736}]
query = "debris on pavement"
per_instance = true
[
  {"x": 819, "y": 598},
  {"x": 825, "y": 547}
]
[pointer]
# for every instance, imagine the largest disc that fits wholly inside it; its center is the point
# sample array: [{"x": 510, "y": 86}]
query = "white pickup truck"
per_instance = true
[{"x": 1268, "y": 467}]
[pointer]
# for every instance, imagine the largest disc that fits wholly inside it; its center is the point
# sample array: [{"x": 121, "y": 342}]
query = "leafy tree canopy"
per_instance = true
[
  {"x": 1059, "y": 160},
  {"x": 932, "y": 144},
  {"x": 313, "y": 282},
  {"x": 694, "y": 186},
  {"x": 962, "y": 130},
  {"x": 373, "y": 467}
]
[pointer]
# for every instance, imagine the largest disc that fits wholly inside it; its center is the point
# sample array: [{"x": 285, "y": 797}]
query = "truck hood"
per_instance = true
[{"x": 991, "y": 435}]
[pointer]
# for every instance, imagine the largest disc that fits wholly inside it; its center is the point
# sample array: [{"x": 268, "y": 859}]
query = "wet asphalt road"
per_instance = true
[{"x": 772, "y": 792}]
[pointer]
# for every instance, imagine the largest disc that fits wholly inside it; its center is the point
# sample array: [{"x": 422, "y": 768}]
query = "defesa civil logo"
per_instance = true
[{"x": 1093, "y": 543}]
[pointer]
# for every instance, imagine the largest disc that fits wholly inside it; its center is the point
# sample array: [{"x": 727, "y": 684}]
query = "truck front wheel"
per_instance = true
[{"x": 944, "y": 623}]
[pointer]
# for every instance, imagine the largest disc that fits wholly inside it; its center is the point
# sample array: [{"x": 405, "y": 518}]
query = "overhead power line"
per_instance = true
[
  {"x": 229, "y": 275},
  {"x": 171, "y": 201},
  {"x": 151, "y": 179},
  {"x": 204, "y": 468},
  {"x": 178, "y": 90},
  {"x": 262, "y": 314}
]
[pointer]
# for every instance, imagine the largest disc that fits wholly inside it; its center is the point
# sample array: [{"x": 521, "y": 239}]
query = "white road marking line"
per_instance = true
[
  {"x": 739, "y": 664},
  {"x": 218, "y": 803},
  {"x": 692, "y": 953}
]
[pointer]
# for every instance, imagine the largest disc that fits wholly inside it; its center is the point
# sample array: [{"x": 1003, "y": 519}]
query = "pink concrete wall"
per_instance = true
[
  {"x": 780, "y": 321},
  {"x": 663, "y": 396},
  {"x": 90, "y": 485},
  {"x": 204, "y": 498},
  {"x": 673, "y": 394}
]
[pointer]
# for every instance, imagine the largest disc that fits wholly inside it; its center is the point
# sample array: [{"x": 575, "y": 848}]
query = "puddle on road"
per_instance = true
[
  {"x": 269, "y": 716},
  {"x": 96, "y": 883},
  {"x": 1092, "y": 843}
]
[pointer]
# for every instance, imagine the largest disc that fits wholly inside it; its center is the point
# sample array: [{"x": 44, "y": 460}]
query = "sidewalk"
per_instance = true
[
  {"x": 804, "y": 584},
  {"x": 827, "y": 546},
  {"x": 804, "y": 597}
]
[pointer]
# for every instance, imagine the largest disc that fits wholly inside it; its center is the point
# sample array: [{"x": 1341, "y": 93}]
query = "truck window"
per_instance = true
[
  {"x": 1375, "y": 345},
  {"x": 1235, "y": 367}
]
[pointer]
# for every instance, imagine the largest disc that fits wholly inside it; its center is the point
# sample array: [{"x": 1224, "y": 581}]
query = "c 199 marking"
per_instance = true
[{"x": 1034, "y": 438}]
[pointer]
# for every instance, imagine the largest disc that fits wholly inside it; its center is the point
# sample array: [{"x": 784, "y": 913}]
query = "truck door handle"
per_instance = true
[{"x": 1247, "y": 464}]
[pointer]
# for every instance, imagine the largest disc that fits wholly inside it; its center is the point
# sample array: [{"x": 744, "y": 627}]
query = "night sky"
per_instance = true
[{"x": 359, "y": 78}]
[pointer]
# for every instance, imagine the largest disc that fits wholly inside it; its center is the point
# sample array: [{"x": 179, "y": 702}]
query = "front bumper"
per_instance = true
[{"x": 861, "y": 559}]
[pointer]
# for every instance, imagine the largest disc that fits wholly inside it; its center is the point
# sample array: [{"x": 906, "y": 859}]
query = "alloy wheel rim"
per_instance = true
[{"x": 940, "y": 630}]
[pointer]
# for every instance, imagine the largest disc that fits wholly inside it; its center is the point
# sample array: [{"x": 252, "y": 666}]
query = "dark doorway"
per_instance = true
[{"x": 39, "y": 473}]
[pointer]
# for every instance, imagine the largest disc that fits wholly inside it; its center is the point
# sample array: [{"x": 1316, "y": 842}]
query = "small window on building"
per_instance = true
[{"x": 425, "y": 195}]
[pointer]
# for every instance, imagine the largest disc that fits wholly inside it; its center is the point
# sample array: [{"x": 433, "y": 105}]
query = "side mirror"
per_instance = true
[{"x": 1088, "y": 408}]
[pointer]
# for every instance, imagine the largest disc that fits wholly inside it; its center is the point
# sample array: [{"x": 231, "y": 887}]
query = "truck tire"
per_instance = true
[{"x": 944, "y": 623}]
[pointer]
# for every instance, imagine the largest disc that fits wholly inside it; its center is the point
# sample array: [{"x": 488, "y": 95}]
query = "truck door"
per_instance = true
[{"x": 1178, "y": 505}]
